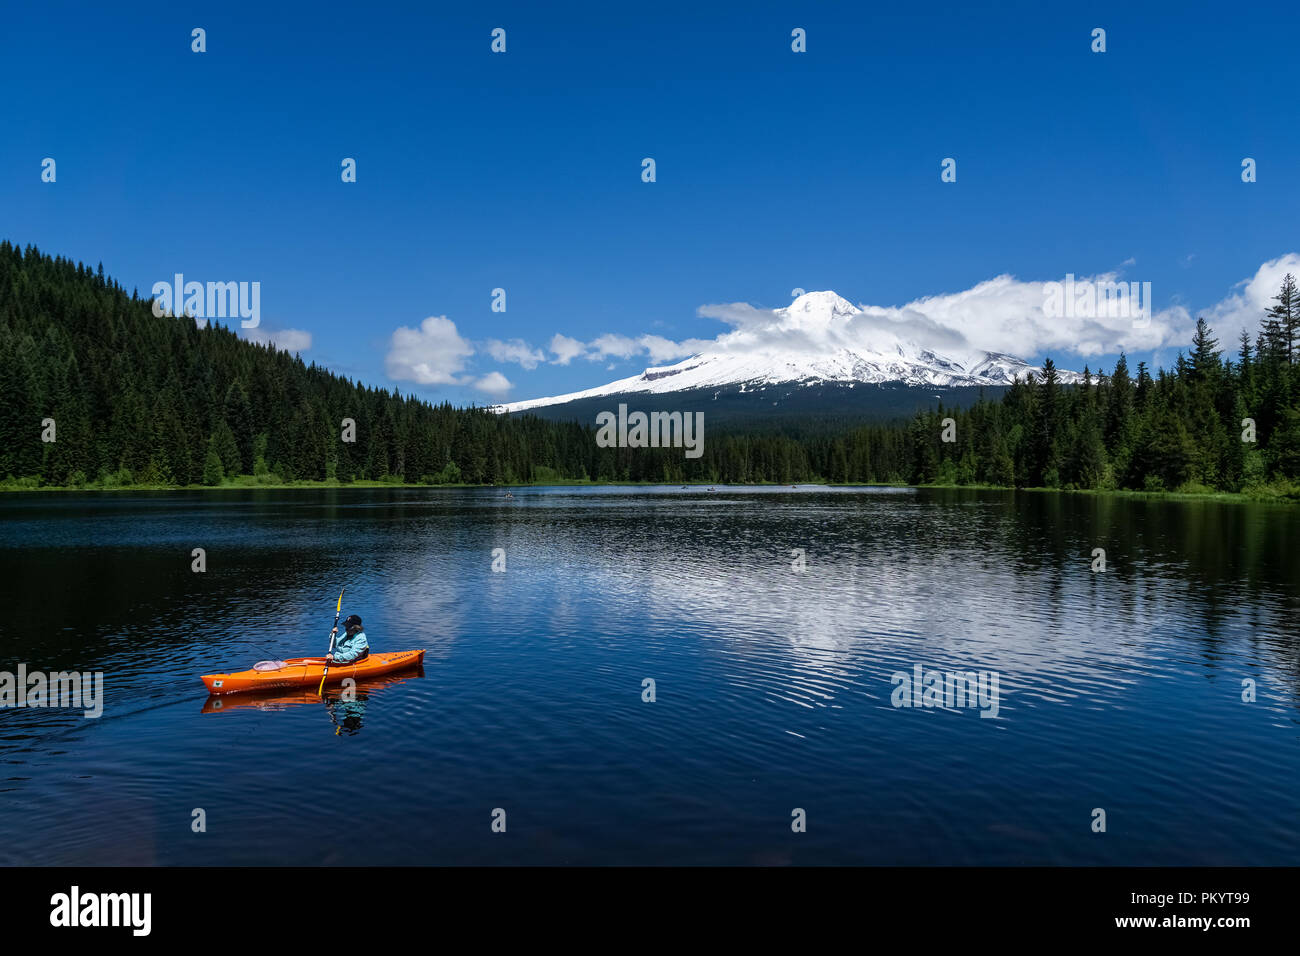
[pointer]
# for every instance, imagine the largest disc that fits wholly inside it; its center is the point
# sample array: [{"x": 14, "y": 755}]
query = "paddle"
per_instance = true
[{"x": 337, "y": 611}]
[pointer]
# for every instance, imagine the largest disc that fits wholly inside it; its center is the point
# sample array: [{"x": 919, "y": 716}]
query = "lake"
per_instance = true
[{"x": 776, "y": 624}]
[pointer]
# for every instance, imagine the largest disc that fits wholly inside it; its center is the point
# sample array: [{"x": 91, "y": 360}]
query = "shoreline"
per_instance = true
[{"x": 1264, "y": 495}]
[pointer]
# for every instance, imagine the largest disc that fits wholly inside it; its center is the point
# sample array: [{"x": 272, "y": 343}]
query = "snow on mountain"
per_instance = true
[{"x": 819, "y": 337}]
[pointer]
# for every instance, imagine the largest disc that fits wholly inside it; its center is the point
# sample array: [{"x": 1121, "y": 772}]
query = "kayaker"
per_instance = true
[{"x": 353, "y": 646}]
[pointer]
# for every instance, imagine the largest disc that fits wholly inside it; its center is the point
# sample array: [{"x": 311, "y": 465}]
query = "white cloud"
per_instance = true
[
  {"x": 1244, "y": 308},
  {"x": 433, "y": 354},
  {"x": 661, "y": 350},
  {"x": 611, "y": 344},
  {"x": 565, "y": 349},
  {"x": 1002, "y": 314},
  {"x": 287, "y": 340},
  {"x": 494, "y": 383},
  {"x": 739, "y": 315},
  {"x": 515, "y": 350}
]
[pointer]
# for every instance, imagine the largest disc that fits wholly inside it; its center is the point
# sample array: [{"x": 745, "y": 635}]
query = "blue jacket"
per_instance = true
[{"x": 348, "y": 647}]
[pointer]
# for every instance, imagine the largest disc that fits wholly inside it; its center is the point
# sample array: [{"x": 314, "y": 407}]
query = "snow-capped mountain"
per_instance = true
[{"x": 820, "y": 338}]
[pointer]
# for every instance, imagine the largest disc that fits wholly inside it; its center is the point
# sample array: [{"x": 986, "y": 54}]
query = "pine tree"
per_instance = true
[
  {"x": 1047, "y": 426},
  {"x": 1205, "y": 355},
  {"x": 212, "y": 470},
  {"x": 226, "y": 446},
  {"x": 1143, "y": 390},
  {"x": 1282, "y": 323},
  {"x": 238, "y": 416},
  {"x": 20, "y": 432},
  {"x": 1120, "y": 408}
]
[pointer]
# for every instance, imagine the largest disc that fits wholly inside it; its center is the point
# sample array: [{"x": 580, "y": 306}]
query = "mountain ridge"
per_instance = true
[{"x": 814, "y": 320}]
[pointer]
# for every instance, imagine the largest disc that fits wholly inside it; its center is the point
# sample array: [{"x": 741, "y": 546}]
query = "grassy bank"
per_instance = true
[{"x": 1281, "y": 491}]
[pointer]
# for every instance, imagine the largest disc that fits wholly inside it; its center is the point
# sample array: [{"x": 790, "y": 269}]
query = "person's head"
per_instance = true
[{"x": 352, "y": 624}]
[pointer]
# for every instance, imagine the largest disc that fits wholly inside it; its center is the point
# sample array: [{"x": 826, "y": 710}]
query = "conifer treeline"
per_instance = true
[
  {"x": 1209, "y": 423},
  {"x": 141, "y": 399}
]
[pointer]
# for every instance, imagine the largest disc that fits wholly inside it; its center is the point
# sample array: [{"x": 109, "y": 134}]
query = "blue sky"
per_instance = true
[{"x": 522, "y": 170}]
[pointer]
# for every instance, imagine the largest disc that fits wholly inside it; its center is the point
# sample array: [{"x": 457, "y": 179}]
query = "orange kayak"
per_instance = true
[
  {"x": 286, "y": 698},
  {"x": 307, "y": 671}
]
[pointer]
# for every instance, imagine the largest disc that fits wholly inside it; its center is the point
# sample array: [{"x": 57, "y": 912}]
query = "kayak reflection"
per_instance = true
[{"x": 345, "y": 705}]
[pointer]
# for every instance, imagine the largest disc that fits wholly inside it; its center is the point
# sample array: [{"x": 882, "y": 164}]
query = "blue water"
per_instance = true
[{"x": 1119, "y": 690}]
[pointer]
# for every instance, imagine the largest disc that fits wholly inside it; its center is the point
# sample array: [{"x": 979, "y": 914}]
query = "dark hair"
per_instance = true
[{"x": 352, "y": 619}]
